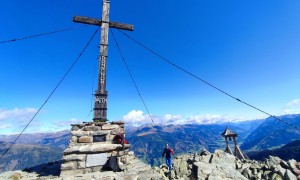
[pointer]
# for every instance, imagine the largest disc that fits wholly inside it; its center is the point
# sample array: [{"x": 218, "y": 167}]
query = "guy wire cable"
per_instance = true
[
  {"x": 41, "y": 34},
  {"x": 61, "y": 80},
  {"x": 132, "y": 79},
  {"x": 93, "y": 83},
  {"x": 206, "y": 82}
]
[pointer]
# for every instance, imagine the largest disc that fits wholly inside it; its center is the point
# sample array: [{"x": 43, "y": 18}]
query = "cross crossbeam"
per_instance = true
[{"x": 98, "y": 22}]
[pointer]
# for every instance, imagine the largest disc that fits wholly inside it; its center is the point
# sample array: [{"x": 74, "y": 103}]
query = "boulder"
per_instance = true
[
  {"x": 69, "y": 166},
  {"x": 74, "y": 157},
  {"x": 276, "y": 176},
  {"x": 85, "y": 139},
  {"x": 110, "y": 126},
  {"x": 289, "y": 175},
  {"x": 94, "y": 148},
  {"x": 180, "y": 167},
  {"x": 215, "y": 171},
  {"x": 273, "y": 161},
  {"x": 280, "y": 170},
  {"x": 202, "y": 170},
  {"x": 292, "y": 164},
  {"x": 247, "y": 173},
  {"x": 221, "y": 157}
]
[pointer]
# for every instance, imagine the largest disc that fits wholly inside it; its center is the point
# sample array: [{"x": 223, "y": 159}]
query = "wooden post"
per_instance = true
[
  {"x": 100, "y": 107},
  {"x": 101, "y": 94}
]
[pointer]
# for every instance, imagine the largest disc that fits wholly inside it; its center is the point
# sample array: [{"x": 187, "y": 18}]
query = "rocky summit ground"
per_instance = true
[{"x": 203, "y": 166}]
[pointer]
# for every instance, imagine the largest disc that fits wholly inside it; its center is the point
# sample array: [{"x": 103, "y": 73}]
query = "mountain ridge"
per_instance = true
[{"x": 148, "y": 141}]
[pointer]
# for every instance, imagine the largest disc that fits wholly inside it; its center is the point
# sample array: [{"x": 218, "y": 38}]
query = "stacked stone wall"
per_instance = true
[{"x": 91, "y": 145}]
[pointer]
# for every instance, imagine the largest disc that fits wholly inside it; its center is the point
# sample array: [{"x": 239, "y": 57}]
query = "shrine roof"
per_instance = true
[{"x": 228, "y": 133}]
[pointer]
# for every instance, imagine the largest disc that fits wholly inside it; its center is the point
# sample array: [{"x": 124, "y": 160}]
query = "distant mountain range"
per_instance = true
[
  {"x": 32, "y": 149},
  {"x": 286, "y": 152},
  {"x": 22, "y": 156},
  {"x": 148, "y": 141},
  {"x": 56, "y": 139},
  {"x": 273, "y": 134}
]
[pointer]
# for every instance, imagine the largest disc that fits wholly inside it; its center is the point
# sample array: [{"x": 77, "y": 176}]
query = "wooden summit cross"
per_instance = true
[{"x": 100, "y": 107}]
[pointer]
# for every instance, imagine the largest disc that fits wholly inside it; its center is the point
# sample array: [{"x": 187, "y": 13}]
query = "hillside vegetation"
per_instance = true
[
  {"x": 289, "y": 151},
  {"x": 22, "y": 156}
]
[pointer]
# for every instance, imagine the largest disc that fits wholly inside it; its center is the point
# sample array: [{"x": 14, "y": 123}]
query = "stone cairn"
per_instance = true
[{"x": 91, "y": 145}]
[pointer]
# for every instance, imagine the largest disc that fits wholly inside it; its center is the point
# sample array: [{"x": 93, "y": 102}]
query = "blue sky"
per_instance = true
[{"x": 249, "y": 49}]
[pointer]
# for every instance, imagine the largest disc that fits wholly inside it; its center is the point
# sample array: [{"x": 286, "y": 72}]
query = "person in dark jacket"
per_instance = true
[{"x": 168, "y": 152}]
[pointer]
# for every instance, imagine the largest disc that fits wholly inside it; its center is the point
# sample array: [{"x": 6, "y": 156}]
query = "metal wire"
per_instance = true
[
  {"x": 208, "y": 83},
  {"x": 135, "y": 85},
  {"x": 41, "y": 34},
  {"x": 58, "y": 84}
]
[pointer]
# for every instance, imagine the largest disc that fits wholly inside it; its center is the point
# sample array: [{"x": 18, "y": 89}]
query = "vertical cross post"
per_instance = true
[
  {"x": 100, "y": 107},
  {"x": 101, "y": 94}
]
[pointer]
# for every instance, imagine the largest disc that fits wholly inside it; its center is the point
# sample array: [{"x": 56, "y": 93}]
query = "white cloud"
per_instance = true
[
  {"x": 4, "y": 126},
  {"x": 292, "y": 107},
  {"x": 14, "y": 120},
  {"x": 138, "y": 118},
  {"x": 17, "y": 114},
  {"x": 293, "y": 102},
  {"x": 67, "y": 123}
]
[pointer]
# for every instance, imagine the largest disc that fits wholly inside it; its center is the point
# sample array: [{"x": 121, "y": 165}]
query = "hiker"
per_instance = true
[{"x": 168, "y": 152}]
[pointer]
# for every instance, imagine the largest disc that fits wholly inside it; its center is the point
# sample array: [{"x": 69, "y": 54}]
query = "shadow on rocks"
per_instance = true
[{"x": 46, "y": 169}]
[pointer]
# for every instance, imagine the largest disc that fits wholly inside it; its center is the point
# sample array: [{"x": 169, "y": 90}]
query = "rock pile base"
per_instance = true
[{"x": 91, "y": 145}]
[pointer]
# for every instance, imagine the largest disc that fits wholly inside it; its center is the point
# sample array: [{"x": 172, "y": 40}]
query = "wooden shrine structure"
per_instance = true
[{"x": 229, "y": 135}]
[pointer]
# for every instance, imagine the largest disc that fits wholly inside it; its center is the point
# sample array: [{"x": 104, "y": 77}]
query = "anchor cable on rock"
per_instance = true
[
  {"x": 206, "y": 82},
  {"x": 58, "y": 84}
]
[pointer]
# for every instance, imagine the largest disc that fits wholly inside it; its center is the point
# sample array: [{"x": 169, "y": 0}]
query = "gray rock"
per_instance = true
[
  {"x": 180, "y": 167},
  {"x": 94, "y": 148},
  {"x": 247, "y": 173},
  {"x": 75, "y": 128},
  {"x": 202, "y": 170},
  {"x": 255, "y": 166},
  {"x": 221, "y": 157},
  {"x": 80, "y": 133},
  {"x": 74, "y": 157},
  {"x": 205, "y": 158},
  {"x": 85, "y": 139},
  {"x": 69, "y": 166},
  {"x": 81, "y": 165},
  {"x": 74, "y": 139},
  {"x": 273, "y": 161},
  {"x": 91, "y": 128},
  {"x": 110, "y": 127},
  {"x": 246, "y": 166},
  {"x": 94, "y": 133},
  {"x": 96, "y": 160},
  {"x": 172, "y": 174},
  {"x": 292, "y": 164},
  {"x": 205, "y": 153},
  {"x": 267, "y": 174},
  {"x": 238, "y": 165},
  {"x": 258, "y": 175},
  {"x": 280, "y": 170},
  {"x": 276, "y": 176},
  {"x": 289, "y": 175},
  {"x": 284, "y": 164}
]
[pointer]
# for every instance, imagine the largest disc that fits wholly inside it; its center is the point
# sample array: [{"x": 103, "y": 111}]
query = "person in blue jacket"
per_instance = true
[{"x": 168, "y": 151}]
